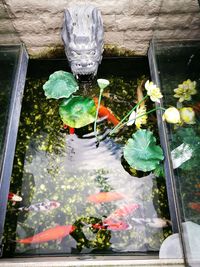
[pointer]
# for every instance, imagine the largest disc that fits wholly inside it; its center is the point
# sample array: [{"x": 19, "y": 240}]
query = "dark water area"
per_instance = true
[{"x": 52, "y": 165}]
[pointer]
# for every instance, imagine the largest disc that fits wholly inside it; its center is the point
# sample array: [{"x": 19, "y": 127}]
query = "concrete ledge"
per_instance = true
[{"x": 90, "y": 262}]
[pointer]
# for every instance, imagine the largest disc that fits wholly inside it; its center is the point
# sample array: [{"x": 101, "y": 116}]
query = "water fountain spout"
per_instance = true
[{"x": 82, "y": 34}]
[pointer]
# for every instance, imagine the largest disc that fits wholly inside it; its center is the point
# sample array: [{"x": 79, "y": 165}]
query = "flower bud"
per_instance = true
[{"x": 172, "y": 115}]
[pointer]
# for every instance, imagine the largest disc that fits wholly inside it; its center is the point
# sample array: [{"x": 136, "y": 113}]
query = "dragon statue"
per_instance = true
[{"x": 82, "y": 34}]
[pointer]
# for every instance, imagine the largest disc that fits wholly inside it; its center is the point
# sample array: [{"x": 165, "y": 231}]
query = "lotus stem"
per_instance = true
[
  {"x": 152, "y": 110},
  {"x": 95, "y": 122},
  {"x": 127, "y": 115}
]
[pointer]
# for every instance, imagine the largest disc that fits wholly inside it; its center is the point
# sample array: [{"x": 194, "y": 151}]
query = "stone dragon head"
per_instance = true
[{"x": 82, "y": 34}]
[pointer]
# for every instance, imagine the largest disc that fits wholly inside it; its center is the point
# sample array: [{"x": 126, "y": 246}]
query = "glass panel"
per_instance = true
[
  {"x": 8, "y": 62},
  {"x": 78, "y": 197},
  {"x": 178, "y": 65},
  {"x": 13, "y": 62}
]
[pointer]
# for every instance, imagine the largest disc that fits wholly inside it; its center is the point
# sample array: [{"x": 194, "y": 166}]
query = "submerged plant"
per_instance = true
[
  {"x": 141, "y": 151},
  {"x": 185, "y": 90},
  {"x": 61, "y": 84},
  {"x": 78, "y": 111}
]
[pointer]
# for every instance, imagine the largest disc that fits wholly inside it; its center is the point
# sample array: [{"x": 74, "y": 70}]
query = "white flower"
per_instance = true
[
  {"x": 139, "y": 117},
  {"x": 131, "y": 118},
  {"x": 103, "y": 83},
  {"x": 172, "y": 115},
  {"x": 153, "y": 91},
  {"x": 187, "y": 115}
]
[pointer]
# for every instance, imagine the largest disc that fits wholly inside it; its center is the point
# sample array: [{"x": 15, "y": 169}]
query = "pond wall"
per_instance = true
[{"x": 128, "y": 24}]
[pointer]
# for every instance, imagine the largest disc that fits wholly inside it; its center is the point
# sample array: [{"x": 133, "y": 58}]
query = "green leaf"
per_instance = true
[
  {"x": 141, "y": 151},
  {"x": 61, "y": 84},
  {"x": 77, "y": 111}
]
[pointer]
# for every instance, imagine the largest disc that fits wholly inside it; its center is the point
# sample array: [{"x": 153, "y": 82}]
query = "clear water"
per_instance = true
[{"x": 52, "y": 164}]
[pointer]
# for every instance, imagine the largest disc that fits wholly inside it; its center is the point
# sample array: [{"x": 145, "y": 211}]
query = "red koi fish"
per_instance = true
[
  {"x": 55, "y": 233},
  {"x": 112, "y": 225},
  {"x": 13, "y": 197},
  {"x": 105, "y": 112},
  {"x": 105, "y": 197},
  {"x": 194, "y": 206},
  {"x": 71, "y": 130},
  {"x": 124, "y": 211}
]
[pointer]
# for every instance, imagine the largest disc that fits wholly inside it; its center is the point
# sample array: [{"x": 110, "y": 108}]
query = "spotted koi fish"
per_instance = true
[
  {"x": 55, "y": 233},
  {"x": 42, "y": 206}
]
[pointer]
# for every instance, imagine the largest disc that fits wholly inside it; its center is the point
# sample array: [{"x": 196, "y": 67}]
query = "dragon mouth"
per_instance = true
[{"x": 85, "y": 70}]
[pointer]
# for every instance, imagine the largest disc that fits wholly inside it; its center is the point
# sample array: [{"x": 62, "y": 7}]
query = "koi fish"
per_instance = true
[
  {"x": 197, "y": 185},
  {"x": 112, "y": 225},
  {"x": 55, "y": 233},
  {"x": 194, "y": 206},
  {"x": 105, "y": 197},
  {"x": 124, "y": 211},
  {"x": 42, "y": 206},
  {"x": 71, "y": 130},
  {"x": 13, "y": 197},
  {"x": 105, "y": 112},
  {"x": 153, "y": 222}
]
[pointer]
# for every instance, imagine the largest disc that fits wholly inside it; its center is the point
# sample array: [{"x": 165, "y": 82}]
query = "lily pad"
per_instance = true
[
  {"x": 77, "y": 111},
  {"x": 61, "y": 84},
  {"x": 141, "y": 151}
]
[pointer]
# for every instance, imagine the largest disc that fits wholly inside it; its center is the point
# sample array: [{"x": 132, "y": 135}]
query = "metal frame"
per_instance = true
[{"x": 11, "y": 134}]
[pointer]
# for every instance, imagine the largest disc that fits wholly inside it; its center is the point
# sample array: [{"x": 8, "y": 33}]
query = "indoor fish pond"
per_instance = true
[{"x": 88, "y": 185}]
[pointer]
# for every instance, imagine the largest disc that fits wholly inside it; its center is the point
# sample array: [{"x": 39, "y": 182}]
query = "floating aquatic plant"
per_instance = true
[
  {"x": 78, "y": 111},
  {"x": 185, "y": 90},
  {"x": 141, "y": 151},
  {"x": 61, "y": 84}
]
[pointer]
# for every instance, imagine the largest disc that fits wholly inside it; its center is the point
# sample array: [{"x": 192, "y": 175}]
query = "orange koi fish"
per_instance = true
[
  {"x": 55, "y": 233},
  {"x": 112, "y": 225},
  {"x": 13, "y": 197},
  {"x": 194, "y": 206},
  {"x": 197, "y": 185},
  {"x": 124, "y": 211},
  {"x": 105, "y": 112},
  {"x": 105, "y": 197}
]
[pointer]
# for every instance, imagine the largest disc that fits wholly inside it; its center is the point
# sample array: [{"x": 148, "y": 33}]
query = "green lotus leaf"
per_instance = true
[
  {"x": 61, "y": 84},
  {"x": 141, "y": 151},
  {"x": 77, "y": 111}
]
